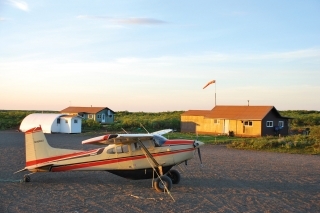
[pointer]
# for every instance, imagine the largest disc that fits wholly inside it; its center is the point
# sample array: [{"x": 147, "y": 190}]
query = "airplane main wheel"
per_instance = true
[
  {"x": 160, "y": 186},
  {"x": 174, "y": 175},
  {"x": 26, "y": 178}
]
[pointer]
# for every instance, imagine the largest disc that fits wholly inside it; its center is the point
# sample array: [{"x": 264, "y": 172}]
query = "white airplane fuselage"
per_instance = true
[{"x": 128, "y": 160}]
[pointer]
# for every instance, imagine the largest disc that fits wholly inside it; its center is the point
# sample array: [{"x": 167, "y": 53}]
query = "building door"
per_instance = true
[
  {"x": 226, "y": 126},
  {"x": 103, "y": 120}
]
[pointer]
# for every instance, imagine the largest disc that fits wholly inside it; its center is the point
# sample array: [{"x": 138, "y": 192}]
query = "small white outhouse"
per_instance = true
[
  {"x": 52, "y": 123},
  {"x": 70, "y": 124}
]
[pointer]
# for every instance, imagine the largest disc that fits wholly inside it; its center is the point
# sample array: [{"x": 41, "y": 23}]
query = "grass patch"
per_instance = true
[
  {"x": 296, "y": 144},
  {"x": 208, "y": 139}
]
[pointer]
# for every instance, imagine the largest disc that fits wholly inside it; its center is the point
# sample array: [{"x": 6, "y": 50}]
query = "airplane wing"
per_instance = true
[
  {"x": 162, "y": 132},
  {"x": 123, "y": 138}
]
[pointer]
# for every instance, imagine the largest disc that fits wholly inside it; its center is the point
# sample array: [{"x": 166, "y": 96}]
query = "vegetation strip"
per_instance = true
[{"x": 304, "y": 129}]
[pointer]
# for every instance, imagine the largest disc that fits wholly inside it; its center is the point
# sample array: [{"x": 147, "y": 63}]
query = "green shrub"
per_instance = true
[{"x": 90, "y": 124}]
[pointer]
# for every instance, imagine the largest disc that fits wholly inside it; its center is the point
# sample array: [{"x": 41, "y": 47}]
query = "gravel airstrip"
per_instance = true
[{"x": 230, "y": 180}]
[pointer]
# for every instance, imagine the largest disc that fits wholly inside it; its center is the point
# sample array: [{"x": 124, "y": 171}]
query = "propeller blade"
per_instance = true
[{"x": 199, "y": 153}]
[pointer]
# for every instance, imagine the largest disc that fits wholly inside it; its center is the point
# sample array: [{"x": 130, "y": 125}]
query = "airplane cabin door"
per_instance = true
[{"x": 123, "y": 153}]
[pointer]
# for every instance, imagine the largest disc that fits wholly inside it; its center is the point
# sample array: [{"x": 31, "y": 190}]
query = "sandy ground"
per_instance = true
[{"x": 229, "y": 181}]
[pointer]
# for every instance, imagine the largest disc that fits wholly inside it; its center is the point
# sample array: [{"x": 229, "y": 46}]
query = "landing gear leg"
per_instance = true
[{"x": 26, "y": 178}]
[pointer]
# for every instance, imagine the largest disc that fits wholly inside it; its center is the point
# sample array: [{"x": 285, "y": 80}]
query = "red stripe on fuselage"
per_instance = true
[
  {"x": 178, "y": 142},
  {"x": 59, "y": 157},
  {"x": 114, "y": 160}
]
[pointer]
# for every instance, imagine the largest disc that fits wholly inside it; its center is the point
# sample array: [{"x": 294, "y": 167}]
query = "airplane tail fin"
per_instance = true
[
  {"x": 40, "y": 156},
  {"x": 37, "y": 147}
]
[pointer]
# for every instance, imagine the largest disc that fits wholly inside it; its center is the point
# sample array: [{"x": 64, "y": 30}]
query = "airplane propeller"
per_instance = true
[
  {"x": 199, "y": 153},
  {"x": 196, "y": 145}
]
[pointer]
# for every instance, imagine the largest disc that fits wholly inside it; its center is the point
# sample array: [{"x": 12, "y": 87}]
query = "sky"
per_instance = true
[{"x": 156, "y": 56}]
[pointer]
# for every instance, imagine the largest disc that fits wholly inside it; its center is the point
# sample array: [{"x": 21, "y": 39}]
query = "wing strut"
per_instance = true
[{"x": 151, "y": 157}]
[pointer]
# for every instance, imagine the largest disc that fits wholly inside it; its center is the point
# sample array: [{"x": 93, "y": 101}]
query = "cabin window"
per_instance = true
[
  {"x": 99, "y": 116},
  {"x": 118, "y": 149},
  {"x": 248, "y": 123},
  {"x": 90, "y": 116},
  {"x": 58, "y": 121},
  {"x": 216, "y": 121},
  {"x": 75, "y": 121},
  {"x": 148, "y": 144},
  {"x": 280, "y": 123},
  {"x": 269, "y": 123},
  {"x": 66, "y": 121}
]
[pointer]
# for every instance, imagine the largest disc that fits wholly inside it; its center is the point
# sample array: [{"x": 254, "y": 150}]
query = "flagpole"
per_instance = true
[
  {"x": 215, "y": 90},
  {"x": 215, "y": 94}
]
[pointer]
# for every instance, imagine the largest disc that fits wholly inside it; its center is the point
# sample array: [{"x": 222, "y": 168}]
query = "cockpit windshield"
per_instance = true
[{"x": 159, "y": 140}]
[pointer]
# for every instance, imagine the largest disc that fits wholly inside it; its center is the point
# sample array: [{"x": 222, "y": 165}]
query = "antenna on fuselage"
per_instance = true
[
  {"x": 124, "y": 130},
  {"x": 144, "y": 128}
]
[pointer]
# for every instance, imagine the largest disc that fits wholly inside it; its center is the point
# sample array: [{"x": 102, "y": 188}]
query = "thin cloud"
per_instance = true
[
  {"x": 21, "y": 5},
  {"x": 126, "y": 21},
  {"x": 290, "y": 55},
  {"x": 140, "y": 21}
]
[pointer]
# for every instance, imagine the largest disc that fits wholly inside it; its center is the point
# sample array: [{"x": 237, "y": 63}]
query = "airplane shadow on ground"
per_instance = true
[{"x": 199, "y": 183}]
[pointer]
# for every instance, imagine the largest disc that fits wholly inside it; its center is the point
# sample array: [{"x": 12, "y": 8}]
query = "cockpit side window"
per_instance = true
[
  {"x": 148, "y": 144},
  {"x": 118, "y": 149},
  {"x": 136, "y": 146}
]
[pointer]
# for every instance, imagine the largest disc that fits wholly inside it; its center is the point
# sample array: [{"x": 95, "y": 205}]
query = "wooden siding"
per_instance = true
[{"x": 203, "y": 125}]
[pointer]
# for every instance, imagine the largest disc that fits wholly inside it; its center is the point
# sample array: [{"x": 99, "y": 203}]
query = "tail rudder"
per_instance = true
[{"x": 37, "y": 146}]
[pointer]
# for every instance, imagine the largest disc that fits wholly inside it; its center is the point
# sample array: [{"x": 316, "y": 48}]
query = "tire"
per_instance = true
[
  {"x": 174, "y": 175},
  {"x": 26, "y": 178},
  {"x": 159, "y": 186}
]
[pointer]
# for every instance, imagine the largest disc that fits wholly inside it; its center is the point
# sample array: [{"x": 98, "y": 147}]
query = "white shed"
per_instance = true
[
  {"x": 70, "y": 124},
  {"x": 52, "y": 123}
]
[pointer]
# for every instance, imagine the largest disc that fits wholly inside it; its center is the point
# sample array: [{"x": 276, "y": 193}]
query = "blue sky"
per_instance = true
[{"x": 156, "y": 56}]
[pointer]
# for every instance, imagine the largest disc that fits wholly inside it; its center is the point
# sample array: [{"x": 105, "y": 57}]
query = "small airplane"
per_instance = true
[{"x": 132, "y": 156}]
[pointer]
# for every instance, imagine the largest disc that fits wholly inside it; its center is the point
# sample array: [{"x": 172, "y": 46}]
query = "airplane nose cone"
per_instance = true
[
  {"x": 201, "y": 143},
  {"x": 198, "y": 144}
]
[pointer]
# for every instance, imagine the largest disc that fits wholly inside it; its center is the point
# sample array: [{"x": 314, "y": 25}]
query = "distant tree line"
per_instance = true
[
  {"x": 135, "y": 121},
  {"x": 11, "y": 119},
  {"x": 302, "y": 118}
]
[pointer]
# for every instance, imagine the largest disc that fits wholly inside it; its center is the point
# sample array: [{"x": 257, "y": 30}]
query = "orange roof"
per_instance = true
[
  {"x": 241, "y": 112},
  {"x": 72, "y": 109}
]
